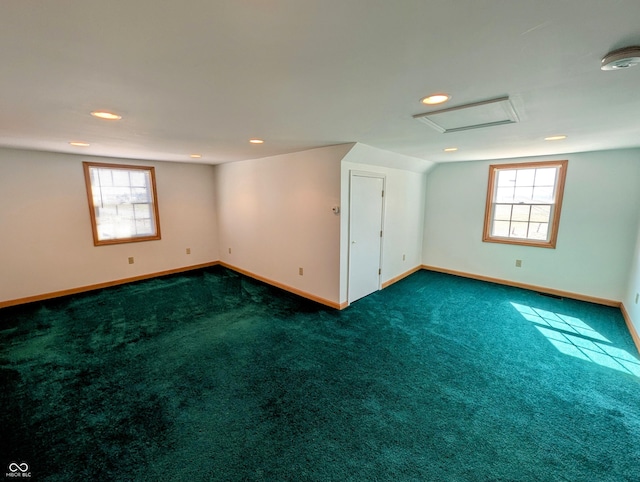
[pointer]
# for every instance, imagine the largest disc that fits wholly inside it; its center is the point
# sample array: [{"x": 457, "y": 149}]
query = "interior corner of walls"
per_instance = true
[{"x": 432, "y": 166}]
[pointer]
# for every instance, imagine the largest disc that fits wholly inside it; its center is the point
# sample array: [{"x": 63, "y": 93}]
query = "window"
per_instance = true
[
  {"x": 122, "y": 202},
  {"x": 523, "y": 203}
]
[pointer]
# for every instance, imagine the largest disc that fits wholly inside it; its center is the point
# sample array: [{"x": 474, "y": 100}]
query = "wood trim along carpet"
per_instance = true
[
  {"x": 400, "y": 276},
  {"x": 332, "y": 304},
  {"x": 290, "y": 289},
  {"x": 106, "y": 284},
  {"x": 630, "y": 326},
  {"x": 541, "y": 289}
]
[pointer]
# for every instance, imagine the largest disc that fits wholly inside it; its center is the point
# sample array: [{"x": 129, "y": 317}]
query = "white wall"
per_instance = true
[
  {"x": 597, "y": 236},
  {"x": 275, "y": 215},
  {"x": 404, "y": 209},
  {"x": 46, "y": 243},
  {"x": 633, "y": 288}
]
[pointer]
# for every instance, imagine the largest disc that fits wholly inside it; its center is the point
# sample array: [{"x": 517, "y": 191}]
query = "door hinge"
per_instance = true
[
  {"x": 383, "y": 193},
  {"x": 380, "y": 233},
  {"x": 379, "y": 271}
]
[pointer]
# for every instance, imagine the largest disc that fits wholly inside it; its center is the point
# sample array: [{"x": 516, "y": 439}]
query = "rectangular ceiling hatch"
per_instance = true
[{"x": 488, "y": 113}]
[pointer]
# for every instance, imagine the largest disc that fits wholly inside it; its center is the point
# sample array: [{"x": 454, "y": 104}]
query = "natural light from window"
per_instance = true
[
  {"x": 575, "y": 338},
  {"x": 122, "y": 203},
  {"x": 523, "y": 203}
]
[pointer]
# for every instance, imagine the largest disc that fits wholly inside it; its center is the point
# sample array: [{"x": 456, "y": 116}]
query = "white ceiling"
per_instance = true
[{"x": 204, "y": 76}]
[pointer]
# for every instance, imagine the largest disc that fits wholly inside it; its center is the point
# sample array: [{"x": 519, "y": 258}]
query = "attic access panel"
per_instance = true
[{"x": 487, "y": 113}]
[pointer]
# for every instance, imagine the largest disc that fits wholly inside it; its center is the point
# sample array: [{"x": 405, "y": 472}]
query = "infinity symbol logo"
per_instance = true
[{"x": 23, "y": 467}]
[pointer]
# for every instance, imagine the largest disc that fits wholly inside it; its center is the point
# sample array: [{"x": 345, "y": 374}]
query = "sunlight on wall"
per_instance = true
[{"x": 574, "y": 337}]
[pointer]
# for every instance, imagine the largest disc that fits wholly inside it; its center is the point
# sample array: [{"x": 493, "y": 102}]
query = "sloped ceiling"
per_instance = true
[{"x": 204, "y": 76}]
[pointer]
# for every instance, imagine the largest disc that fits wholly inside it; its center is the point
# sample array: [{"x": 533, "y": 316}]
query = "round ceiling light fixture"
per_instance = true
[
  {"x": 256, "y": 141},
  {"x": 621, "y": 59},
  {"x": 435, "y": 99}
]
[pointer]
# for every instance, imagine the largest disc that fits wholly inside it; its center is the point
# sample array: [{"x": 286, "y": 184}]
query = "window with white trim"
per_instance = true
[
  {"x": 122, "y": 202},
  {"x": 524, "y": 202}
]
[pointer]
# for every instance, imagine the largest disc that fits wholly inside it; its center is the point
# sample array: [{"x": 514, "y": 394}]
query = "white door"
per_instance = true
[{"x": 366, "y": 209}]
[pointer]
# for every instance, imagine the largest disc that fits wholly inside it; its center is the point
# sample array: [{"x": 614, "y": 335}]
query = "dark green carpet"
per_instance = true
[{"x": 213, "y": 376}]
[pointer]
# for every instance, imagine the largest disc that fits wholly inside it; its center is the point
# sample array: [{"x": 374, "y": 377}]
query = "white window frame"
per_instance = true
[
  {"x": 554, "y": 205},
  {"x": 122, "y": 212}
]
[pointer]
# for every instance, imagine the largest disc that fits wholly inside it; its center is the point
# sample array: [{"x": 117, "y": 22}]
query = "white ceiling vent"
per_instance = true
[{"x": 488, "y": 113}]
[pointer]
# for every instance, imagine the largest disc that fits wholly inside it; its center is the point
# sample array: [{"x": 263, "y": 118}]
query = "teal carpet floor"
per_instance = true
[{"x": 211, "y": 376}]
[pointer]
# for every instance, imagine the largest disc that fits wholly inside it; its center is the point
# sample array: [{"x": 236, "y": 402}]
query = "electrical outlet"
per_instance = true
[
  {"x": 229, "y": 250},
  {"x": 518, "y": 263},
  {"x": 300, "y": 271},
  {"x": 188, "y": 250},
  {"x": 130, "y": 259},
  {"x": 637, "y": 296},
  {"x": 404, "y": 257}
]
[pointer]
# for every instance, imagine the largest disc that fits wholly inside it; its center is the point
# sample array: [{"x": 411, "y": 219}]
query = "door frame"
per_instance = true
[{"x": 356, "y": 173}]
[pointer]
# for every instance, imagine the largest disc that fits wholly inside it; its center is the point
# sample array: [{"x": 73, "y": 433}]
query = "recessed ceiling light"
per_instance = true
[
  {"x": 79, "y": 144},
  {"x": 435, "y": 99},
  {"x": 450, "y": 149},
  {"x": 555, "y": 138},
  {"x": 256, "y": 141},
  {"x": 195, "y": 156},
  {"x": 101, "y": 114}
]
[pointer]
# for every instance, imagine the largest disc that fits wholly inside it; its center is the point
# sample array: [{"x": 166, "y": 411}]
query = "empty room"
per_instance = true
[{"x": 304, "y": 240}]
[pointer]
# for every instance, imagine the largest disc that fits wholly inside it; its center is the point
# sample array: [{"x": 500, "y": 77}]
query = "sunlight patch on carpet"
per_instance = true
[{"x": 575, "y": 338}]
